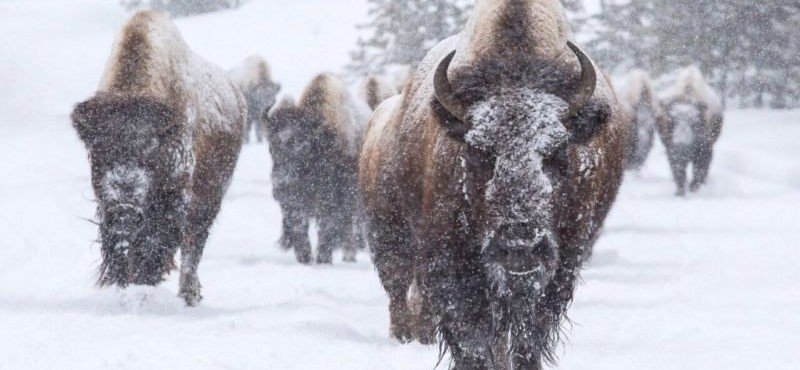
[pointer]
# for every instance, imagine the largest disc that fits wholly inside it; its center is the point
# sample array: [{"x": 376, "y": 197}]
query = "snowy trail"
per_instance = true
[{"x": 709, "y": 282}]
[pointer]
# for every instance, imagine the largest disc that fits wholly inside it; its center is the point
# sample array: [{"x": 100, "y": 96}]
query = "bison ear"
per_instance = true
[
  {"x": 590, "y": 120},
  {"x": 86, "y": 117}
]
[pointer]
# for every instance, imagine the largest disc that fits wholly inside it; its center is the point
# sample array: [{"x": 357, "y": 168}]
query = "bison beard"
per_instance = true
[{"x": 136, "y": 155}]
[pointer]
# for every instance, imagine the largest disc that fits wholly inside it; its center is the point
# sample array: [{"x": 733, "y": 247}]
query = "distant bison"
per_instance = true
[
  {"x": 645, "y": 111},
  {"x": 254, "y": 78},
  {"x": 488, "y": 182},
  {"x": 314, "y": 147},
  {"x": 163, "y": 133},
  {"x": 692, "y": 126},
  {"x": 375, "y": 90}
]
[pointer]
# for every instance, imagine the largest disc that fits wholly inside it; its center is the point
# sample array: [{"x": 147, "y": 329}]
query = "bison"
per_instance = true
[
  {"x": 163, "y": 132},
  {"x": 694, "y": 119},
  {"x": 645, "y": 111},
  {"x": 255, "y": 80},
  {"x": 375, "y": 90},
  {"x": 314, "y": 146},
  {"x": 486, "y": 184}
]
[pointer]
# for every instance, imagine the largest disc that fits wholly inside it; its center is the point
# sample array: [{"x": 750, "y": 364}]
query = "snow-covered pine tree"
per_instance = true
[
  {"x": 400, "y": 32},
  {"x": 180, "y": 8},
  {"x": 747, "y": 49}
]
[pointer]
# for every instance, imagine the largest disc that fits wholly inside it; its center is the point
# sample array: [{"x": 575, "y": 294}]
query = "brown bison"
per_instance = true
[
  {"x": 255, "y": 80},
  {"x": 375, "y": 90},
  {"x": 693, "y": 123},
  {"x": 314, "y": 146},
  {"x": 645, "y": 111},
  {"x": 487, "y": 182},
  {"x": 163, "y": 133}
]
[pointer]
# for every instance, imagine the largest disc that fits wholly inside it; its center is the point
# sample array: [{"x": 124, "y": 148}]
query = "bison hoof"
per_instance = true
[
  {"x": 192, "y": 299},
  {"x": 190, "y": 289},
  {"x": 402, "y": 333},
  {"x": 303, "y": 256},
  {"x": 426, "y": 337},
  {"x": 324, "y": 260},
  {"x": 349, "y": 257}
]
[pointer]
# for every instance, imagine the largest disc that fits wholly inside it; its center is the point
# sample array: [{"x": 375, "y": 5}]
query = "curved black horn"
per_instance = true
[
  {"x": 444, "y": 91},
  {"x": 587, "y": 84}
]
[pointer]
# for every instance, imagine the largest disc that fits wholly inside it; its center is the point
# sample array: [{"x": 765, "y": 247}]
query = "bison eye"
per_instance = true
[
  {"x": 559, "y": 162},
  {"x": 480, "y": 165}
]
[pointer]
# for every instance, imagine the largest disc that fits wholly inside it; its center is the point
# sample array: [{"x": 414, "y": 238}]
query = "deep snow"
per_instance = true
[{"x": 708, "y": 282}]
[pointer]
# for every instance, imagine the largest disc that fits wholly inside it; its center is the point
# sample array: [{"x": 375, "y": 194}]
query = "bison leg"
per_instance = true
[
  {"x": 295, "y": 234},
  {"x": 679, "y": 161},
  {"x": 702, "y": 163},
  {"x": 334, "y": 231},
  {"x": 355, "y": 239},
  {"x": 420, "y": 300},
  {"x": 200, "y": 220},
  {"x": 389, "y": 240}
]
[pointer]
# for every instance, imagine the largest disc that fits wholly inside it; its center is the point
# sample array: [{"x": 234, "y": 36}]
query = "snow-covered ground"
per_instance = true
[{"x": 708, "y": 282}]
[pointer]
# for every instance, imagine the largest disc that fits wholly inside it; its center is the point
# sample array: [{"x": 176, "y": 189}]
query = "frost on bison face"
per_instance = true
[
  {"x": 134, "y": 150},
  {"x": 519, "y": 132}
]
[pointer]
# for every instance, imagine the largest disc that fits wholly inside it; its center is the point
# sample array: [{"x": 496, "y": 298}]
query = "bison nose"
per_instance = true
[
  {"x": 527, "y": 260},
  {"x": 125, "y": 219},
  {"x": 522, "y": 248}
]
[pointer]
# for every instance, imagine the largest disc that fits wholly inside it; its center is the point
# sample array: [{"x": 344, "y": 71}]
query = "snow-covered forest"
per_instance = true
[{"x": 708, "y": 280}]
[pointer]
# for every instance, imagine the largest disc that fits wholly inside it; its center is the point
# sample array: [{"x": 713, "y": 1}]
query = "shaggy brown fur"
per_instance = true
[
  {"x": 314, "y": 147},
  {"x": 161, "y": 158},
  {"x": 496, "y": 291},
  {"x": 375, "y": 91}
]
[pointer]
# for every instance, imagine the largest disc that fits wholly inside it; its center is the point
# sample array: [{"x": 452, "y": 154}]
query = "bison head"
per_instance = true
[
  {"x": 515, "y": 138},
  {"x": 293, "y": 134},
  {"x": 134, "y": 148}
]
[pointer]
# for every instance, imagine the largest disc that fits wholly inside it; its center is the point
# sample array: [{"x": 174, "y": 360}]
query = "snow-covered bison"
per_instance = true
[
  {"x": 692, "y": 126},
  {"x": 163, "y": 133},
  {"x": 488, "y": 181},
  {"x": 255, "y": 80},
  {"x": 375, "y": 90},
  {"x": 644, "y": 109},
  {"x": 314, "y": 146}
]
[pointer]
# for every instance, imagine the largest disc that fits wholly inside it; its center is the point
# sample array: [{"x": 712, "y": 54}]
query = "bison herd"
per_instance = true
[{"x": 479, "y": 185}]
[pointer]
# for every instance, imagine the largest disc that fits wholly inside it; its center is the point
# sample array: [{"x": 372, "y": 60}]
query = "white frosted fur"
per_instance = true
[
  {"x": 520, "y": 141},
  {"x": 684, "y": 115},
  {"x": 690, "y": 81}
]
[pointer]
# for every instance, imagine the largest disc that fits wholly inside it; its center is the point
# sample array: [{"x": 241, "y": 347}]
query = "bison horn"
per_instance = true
[
  {"x": 443, "y": 91},
  {"x": 586, "y": 85}
]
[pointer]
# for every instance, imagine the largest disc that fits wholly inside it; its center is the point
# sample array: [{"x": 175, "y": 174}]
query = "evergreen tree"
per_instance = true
[
  {"x": 180, "y": 8},
  {"x": 400, "y": 32},
  {"x": 747, "y": 49}
]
